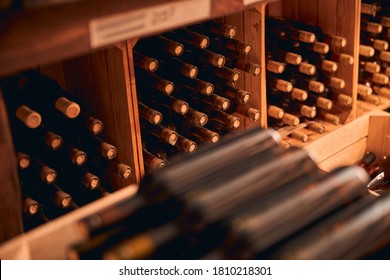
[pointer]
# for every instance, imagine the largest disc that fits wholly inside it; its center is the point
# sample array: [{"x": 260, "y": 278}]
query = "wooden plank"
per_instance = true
[
  {"x": 52, "y": 240},
  {"x": 11, "y": 223},
  {"x": 379, "y": 135},
  {"x": 347, "y": 156},
  {"x": 308, "y": 11}
]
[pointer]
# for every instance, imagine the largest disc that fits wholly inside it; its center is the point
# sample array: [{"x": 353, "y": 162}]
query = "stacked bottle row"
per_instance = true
[
  {"x": 302, "y": 75},
  {"x": 374, "y": 55},
  {"x": 187, "y": 88},
  {"x": 212, "y": 208},
  {"x": 62, "y": 159}
]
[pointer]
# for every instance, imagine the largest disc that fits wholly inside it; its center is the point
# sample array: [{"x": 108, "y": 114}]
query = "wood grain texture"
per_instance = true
[
  {"x": 11, "y": 223},
  {"x": 379, "y": 135}
]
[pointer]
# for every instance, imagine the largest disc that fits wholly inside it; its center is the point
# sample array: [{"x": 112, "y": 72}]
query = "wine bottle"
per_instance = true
[
  {"x": 307, "y": 84},
  {"x": 201, "y": 102},
  {"x": 281, "y": 25},
  {"x": 232, "y": 93},
  {"x": 46, "y": 95},
  {"x": 368, "y": 66},
  {"x": 273, "y": 81},
  {"x": 159, "y": 131},
  {"x": 160, "y": 43},
  {"x": 366, "y": 51},
  {"x": 230, "y": 121},
  {"x": 377, "y": 44},
  {"x": 245, "y": 110},
  {"x": 193, "y": 54},
  {"x": 371, "y": 27},
  {"x": 191, "y": 131},
  {"x": 164, "y": 103},
  {"x": 224, "y": 45},
  {"x": 224, "y": 73},
  {"x": 23, "y": 160},
  {"x": 295, "y": 108},
  {"x": 153, "y": 81},
  {"x": 216, "y": 28},
  {"x": 145, "y": 62},
  {"x": 152, "y": 161},
  {"x": 188, "y": 36},
  {"x": 275, "y": 67},
  {"x": 278, "y": 54},
  {"x": 30, "y": 206},
  {"x": 296, "y": 93},
  {"x": 149, "y": 114},
  {"x": 176, "y": 66},
  {"x": 328, "y": 117},
  {"x": 348, "y": 180}
]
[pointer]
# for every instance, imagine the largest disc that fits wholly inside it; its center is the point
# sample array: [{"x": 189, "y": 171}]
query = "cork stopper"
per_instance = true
[
  {"x": 384, "y": 92},
  {"x": 29, "y": 117},
  {"x": 283, "y": 85},
  {"x": 206, "y": 88},
  {"x": 374, "y": 27},
  {"x": 290, "y": 119},
  {"x": 47, "y": 174},
  {"x": 275, "y": 112},
  {"x": 368, "y": 9},
  {"x": 166, "y": 86},
  {"x": 23, "y": 160},
  {"x": 95, "y": 126},
  {"x": 346, "y": 59},
  {"x": 181, "y": 107},
  {"x": 188, "y": 146},
  {"x": 316, "y": 86},
  {"x": 293, "y": 58},
  {"x": 254, "y": 114},
  {"x": 316, "y": 127},
  {"x": 222, "y": 103},
  {"x": 189, "y": 71},
  {"x": 307, "y": 68},
  {"x": 330, "y": 118},
  {"x": 372, "y": 67},
  {"x": 387, "y": 71},
  {"x": 91, "y": 181},
  {"x": 373, "y": 99},
  {"x": 337, "y": 83},
  {"x": 30, "y": 206},
  {"x": 229, "y": 31},
  {"x": 243, "y": 96},
  {"x": 169, "y": 136},
  {"x": 338, "y": 41},
  {"x": 53, "y": 140},
  {"x": 63, "y": 199},
  {"x": 233, "y": 122},
  {"x": 178, "y": 49},
  {"x": 384, "y": 56},
  {"x": 329, "y": 66},
  {"x": 123, "y": 170},
  {"x": 69, "y": 108},
  {"x": 300, "y": 135},
  {"x": 247, "y": 49},
  {"x": 380, "y": 45},
  {"x": 307, "y": 111},
  {"x": 344, "y": 100},
  {"x": 324, "y": 103},
  {"x": 380, "y": 78},
  {"x": 218, "y": 60},
  {"x": 366, "y": 51},
  {"x": 385, "y": 21},
  {"x": 78, "y": 157},
  {"x": 154, "y": 117},
  {"x": 204, "y": 42},
  {"x": 321, "y": 48},
  {"x": 153, "y": 65},
  {"x": 212, "y": 137},
  {"x": 252, "y": 68},
  {"x": 284, "y": 144},
  {"x": 307, "y": 37},
  {"x": 275, "y": 66},
  {"x": 157, "y": 163},
  {"x": 299, "y": 94},
  {"x": 364, "y": 90},
  {"x": 107, "y": 150},
  {"x": 235, "y": 76}
]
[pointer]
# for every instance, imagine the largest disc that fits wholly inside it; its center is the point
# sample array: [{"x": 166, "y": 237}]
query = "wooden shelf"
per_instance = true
[{"x": 48, "y": 33}]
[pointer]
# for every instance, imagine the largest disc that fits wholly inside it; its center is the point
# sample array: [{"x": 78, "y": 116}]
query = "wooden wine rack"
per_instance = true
[{"x": 64, "y": 41}]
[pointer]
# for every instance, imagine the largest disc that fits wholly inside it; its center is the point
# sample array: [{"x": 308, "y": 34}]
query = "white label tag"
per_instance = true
[{"x": 128, "y": 25}]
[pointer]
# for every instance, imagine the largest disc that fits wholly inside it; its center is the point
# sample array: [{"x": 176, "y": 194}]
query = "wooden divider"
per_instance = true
[{"x": 10, "y": 193}]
